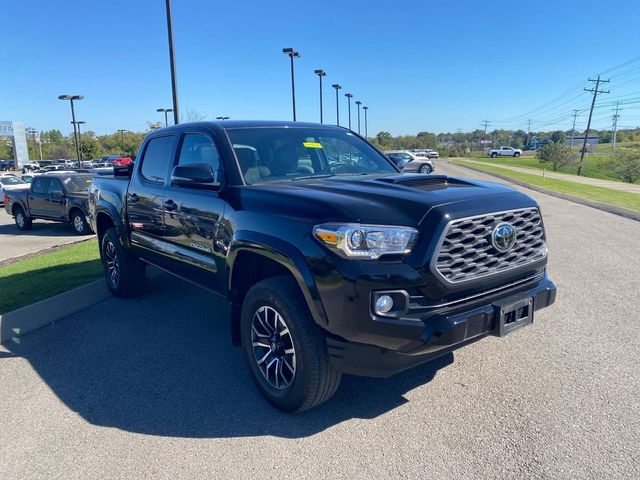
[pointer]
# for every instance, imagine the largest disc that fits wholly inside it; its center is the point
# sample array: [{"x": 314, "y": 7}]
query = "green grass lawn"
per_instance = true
[
  {"x": 599, "y": 194},
  {"x": 591, "y": 167},
  {"x": 28, "y": 281}
]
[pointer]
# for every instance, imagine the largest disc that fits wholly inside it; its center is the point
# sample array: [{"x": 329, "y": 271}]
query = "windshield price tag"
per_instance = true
[{"x": 312, "y": 144}]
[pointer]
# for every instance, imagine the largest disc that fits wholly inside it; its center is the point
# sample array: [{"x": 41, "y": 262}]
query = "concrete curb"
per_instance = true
[
  {"x": 623, "y": 212},
  {"x": 15, "y": 324}
]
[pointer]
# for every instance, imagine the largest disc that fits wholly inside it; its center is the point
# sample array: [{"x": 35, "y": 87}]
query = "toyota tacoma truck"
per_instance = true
[{"x": 331, "y": 260}]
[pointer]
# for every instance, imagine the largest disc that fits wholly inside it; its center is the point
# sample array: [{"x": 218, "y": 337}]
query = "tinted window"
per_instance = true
[
  {"x": 78, "y": 183},
  {"x": 197, "y": 148},
  {"x": 39, "y": 185},
  {"x": 55, "y": 185},
  {"x": 157, "y": 158}
]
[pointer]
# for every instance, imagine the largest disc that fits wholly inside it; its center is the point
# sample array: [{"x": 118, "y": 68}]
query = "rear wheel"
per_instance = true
[
  {"x": 425, "y": 168},
  {"x": 516, "y": 154},
  {"x": 285, "y": 350},
  {"x": 494, "y": 155},
  {"x": 124, "y": 272},
  {"x": 79, "y": 223},
  {"x": 22, "y": 221}
]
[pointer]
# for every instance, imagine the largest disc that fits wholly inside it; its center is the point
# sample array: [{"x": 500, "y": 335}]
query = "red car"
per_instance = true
[{"x": 122, "y": 161}]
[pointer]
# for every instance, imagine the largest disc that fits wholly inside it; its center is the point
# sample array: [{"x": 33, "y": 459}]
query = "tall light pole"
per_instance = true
[
  {"x": 320, "y": 73},
  {"x": 349, "y": 97},
  {"x": 337, "y": 87},
  {"x": 122, "y": 130},
  {"x": 77, "y": 124},
  {"x": 172, "y": 62},
  {"x": 358, "y": 103},
  {"x": 366, "y": 129},
  {"x": 222, "y": 118},
  {"x": 292, "y": 54},
  {"x": 165, "y": 111},
  {"x": 71, "y": 98}
]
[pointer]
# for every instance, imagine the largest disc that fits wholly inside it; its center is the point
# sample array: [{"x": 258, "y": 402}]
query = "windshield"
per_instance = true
[
  {"x": 10, "y": 181},
  {"x": 278, "y": 153},
  {"x": 77, "y": 183}
]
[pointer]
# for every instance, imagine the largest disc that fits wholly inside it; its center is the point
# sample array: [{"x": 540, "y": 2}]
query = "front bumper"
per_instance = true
[{"x": 434, "y": 333}]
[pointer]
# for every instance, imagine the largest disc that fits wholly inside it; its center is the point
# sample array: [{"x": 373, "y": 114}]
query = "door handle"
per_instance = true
[
  {"x": 133, "y": 198},
  {"x": 170, "y": 205}
]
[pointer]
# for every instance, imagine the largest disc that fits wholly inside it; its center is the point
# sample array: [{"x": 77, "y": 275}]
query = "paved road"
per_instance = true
[
  {"x": 596, "y": 182},
  {"x": 14, "y": 243},
  {"x": 150, "y": 388}
]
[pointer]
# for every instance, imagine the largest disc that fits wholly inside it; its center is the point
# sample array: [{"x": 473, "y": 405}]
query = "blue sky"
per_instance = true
[{"x": 418, "y": 65}]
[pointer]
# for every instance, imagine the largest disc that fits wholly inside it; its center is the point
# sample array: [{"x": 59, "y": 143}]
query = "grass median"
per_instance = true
[
  {"x": 44, "y": 276},
  {"x": 598, "y": 194}
]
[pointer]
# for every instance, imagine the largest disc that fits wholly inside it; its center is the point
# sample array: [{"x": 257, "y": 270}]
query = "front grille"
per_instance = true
[{"x": 466, "y": 252}]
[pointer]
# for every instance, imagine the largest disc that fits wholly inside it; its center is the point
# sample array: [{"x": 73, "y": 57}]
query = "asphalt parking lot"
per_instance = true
[
  {"x": 14, "y": 243},
  {"x": 151, "y": 388}
]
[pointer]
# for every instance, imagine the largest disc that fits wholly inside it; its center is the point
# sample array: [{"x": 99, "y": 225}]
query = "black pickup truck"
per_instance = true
[
  {"x": 60, "y": 197},
  {"x": 332, "y": 261}
]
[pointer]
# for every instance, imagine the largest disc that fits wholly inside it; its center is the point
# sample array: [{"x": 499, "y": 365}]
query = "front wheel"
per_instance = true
[
  {"x": 22, "y": 221},
  {"x": 124, "y": 272},
  {"x": 425, "y": 168},
  {"x": 285, "y": 350}
]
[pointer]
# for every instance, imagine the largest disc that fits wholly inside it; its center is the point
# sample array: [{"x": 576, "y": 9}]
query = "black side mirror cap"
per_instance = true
[{"x": 195, "y": 175}]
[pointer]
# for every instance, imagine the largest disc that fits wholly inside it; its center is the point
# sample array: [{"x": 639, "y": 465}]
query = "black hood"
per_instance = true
[{"x": 397, "y": 199}]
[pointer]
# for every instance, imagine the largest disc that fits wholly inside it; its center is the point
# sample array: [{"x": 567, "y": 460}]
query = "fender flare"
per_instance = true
[
  {"x": 286, "y": 255},
  {"x": 106, "y": 208}
]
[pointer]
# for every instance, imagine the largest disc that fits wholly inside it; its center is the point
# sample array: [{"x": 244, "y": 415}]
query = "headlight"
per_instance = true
[{"x": 366, "y": 241}]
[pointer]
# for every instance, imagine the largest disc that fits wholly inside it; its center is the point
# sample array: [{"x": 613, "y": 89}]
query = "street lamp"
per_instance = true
[
  {"x": 366, "y": 130},
  {"x": 292, "y": 54},
  {"x": 349, "y": 97},
  {"x": 71, "y": 98},
  {"x": 165, "y": 110},
  {"x": 222, "y": 118},
  {"x": 78, "y": 123},
  {"x": 172, "y": 62},
  {"x": 337, "y": 87},
  {"x": 358, "y": 103},
  {"x": 122, "y": 130},
  {"x": 320, "y": 73}
]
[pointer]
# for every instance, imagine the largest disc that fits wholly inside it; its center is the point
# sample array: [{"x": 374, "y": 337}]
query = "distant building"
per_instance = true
[{"x": 578, "y": 141}]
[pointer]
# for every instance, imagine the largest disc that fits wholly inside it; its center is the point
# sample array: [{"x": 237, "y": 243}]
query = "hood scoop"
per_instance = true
[{"x": 424, "y": 182}]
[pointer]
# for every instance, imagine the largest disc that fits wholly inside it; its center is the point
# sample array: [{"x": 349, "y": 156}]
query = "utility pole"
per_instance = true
[
  {"x": 573, "y": 127},
  {"x": 615, "y": 125},
  {"x": 122, "y": 131},
  {"x": 528, "y": 131},
  {"x": 486, "y": 124},
  {"x": 349, "y": 97},
  {"x": 593, "y": 102},
  {"x": 337, "y": 87}
]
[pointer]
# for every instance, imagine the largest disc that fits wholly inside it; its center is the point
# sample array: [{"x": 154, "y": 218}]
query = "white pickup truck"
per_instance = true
[{"x": 504, "y": 152}]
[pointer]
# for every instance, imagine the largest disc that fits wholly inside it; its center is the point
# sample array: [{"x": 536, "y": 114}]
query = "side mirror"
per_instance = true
[{"x": 195, "y": 175}]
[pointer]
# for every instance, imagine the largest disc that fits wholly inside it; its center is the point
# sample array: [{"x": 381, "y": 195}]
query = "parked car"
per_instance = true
[
  {"x": 504, "y": 152},
  {"x": 30, "y": 167},
  {"x": 6, "y": 165},
  {"x": 28, "y": 177},
  {"x": 398, "y": 160},
  {"x": 9, "y": 183},
  {"x": 122, "y": 161},
  {"x": 60, "y": 196},
  {"x": 328, "y": 267},
  {"x": 432, "y": 153},
  {"x": 414, "y": 163}
]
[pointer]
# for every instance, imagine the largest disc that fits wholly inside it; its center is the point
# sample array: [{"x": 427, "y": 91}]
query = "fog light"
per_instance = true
[{"x": 384, "y": 304}]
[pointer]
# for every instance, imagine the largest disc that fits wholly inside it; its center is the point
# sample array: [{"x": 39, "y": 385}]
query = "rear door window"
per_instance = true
[{"x": 158, "y": 156}]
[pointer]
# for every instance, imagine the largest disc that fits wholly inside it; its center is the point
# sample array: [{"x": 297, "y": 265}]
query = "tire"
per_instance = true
[
  {"x": 425, "y": 168},
  {"x": 22, "y": 221},
  {"x": 79, "y": 223},
  {"x": 516, "y": 154},
  {"x": 302, "y": 377},
  {"x": 128, "y": 279},
  {"x": 494, "y": 155}
]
